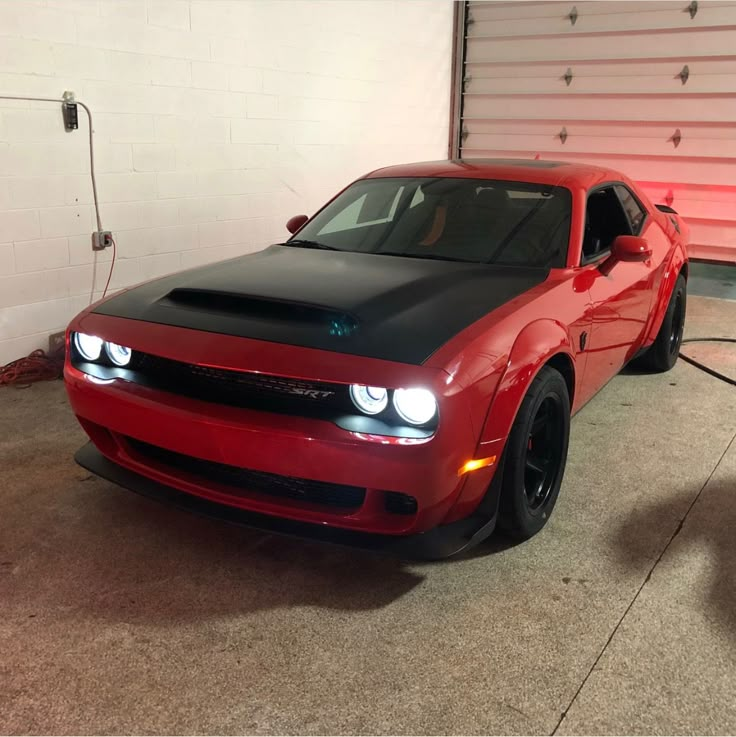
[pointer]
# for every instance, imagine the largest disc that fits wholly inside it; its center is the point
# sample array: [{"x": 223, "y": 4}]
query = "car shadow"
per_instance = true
[
  {"x": 192, "y": 567},
  {"x": 497, "y": 543},
  {"x": 705, "y": 533},
  {"x": 634, "y": 369},
  {"x": 92, "y": 549}
]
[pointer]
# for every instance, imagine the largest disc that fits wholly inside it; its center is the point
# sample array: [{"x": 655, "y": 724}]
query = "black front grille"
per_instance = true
[
  {"x": 338, "y": 496},
  {"x": 319, "y": 400},
  {"x": 242, "y": 388}
]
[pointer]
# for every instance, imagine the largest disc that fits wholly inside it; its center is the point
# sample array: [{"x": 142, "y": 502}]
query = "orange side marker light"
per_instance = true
[{"x": 475, "y": 464}]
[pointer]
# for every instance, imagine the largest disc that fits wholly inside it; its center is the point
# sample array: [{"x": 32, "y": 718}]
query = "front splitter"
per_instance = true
[{"x": 441, "y": 542}]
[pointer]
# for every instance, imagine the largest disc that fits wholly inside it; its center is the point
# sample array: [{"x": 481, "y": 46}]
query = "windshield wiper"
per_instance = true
[
  {"x": 429, "y": 256},
  {"x": 301, "y": 243}
]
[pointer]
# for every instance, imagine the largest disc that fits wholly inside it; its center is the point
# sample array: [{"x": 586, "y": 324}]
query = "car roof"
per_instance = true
[{"x": 516, "y": 170}]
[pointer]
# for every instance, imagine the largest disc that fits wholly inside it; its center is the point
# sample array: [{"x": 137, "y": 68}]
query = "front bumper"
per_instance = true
[
  {"x": 438, "y": 543},
  {"x": 115, "y": 412}
]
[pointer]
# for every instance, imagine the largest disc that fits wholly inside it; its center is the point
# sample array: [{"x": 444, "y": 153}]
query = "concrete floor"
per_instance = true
[
  {"x": 118, "y": 615},
  {"x": 712, "y": 280}
]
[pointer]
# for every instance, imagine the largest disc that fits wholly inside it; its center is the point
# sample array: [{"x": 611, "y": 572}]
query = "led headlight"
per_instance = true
[
  {"x": 369, "y": 399},
  {"x": 89, "y": 346},
  {"x": 119, "y": 354},
  {"x": 415, "y": 406}
]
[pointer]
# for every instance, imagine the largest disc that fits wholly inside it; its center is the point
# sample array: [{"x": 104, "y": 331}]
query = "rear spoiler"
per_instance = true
[
  {"x": 676, "y": 221},
  {"x": 666, "y": 208}
]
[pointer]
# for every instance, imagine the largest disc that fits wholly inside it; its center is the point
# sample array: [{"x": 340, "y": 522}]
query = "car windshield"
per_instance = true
[{"x": 473, "y": 220}]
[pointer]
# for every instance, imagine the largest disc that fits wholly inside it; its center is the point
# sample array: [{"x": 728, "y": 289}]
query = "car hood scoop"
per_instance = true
[
  {"x": 387, "y": 307},
  {"x": 246, "y": 306}
]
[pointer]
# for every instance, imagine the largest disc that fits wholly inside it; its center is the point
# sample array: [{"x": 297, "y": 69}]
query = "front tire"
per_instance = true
[
  {"x": 536, "y": 454},
  {"x": 663, "y": 353}
]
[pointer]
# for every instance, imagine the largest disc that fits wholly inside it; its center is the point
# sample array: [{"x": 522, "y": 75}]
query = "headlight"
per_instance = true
[
  {"x": 89, "y": 346},
  {"x": 119, "y": 354},
  {"x": 415, "y": 406},
  {"x": 369, "y": 399}
]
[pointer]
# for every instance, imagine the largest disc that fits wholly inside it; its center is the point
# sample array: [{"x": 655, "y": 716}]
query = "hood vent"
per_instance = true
[{"x": 242, "y": 305}]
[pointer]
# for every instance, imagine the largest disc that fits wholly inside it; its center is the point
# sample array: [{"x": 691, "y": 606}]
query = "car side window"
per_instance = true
[
  {"x": 634, "y": 211},
  {"x": 605, "y": 219}
]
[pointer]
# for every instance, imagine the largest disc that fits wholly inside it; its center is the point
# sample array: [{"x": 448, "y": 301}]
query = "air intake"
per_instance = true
[{"x": 258, "y": 307}]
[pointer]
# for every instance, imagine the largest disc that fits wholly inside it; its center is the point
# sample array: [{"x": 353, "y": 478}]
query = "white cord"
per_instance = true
[{"x": 91, "y": 142}]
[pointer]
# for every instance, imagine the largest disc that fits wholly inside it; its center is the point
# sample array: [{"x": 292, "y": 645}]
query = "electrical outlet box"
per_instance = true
[
  {"x": 71, "y": 117},
  {"x": 69, "y": 111},
  {"x": 57, "y": 342},
  {"x": 101, "y": 239}
]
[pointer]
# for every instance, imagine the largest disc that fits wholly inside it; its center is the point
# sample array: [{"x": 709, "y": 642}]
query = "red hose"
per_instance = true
[{"x": 38, "y": 366}]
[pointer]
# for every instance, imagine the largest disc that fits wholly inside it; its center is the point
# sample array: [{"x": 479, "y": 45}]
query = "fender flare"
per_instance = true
[
  {"x": 533, "y": 348},
  {"x": 677, "y": 263},
  {"x": 535, "y": 345}
]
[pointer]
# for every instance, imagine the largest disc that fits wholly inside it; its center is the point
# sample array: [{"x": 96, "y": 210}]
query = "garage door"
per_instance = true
[{"x": 645, "y": 87}]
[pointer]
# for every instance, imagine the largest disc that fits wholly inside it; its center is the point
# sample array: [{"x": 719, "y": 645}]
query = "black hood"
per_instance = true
[{"x": 387, "y": 307}]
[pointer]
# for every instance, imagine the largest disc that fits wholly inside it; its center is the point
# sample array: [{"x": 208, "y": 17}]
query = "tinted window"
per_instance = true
[
  {"x": 604, "y": 221},
  {"x": 472, "y": 220},
  {"x": 633, "y": 210}
]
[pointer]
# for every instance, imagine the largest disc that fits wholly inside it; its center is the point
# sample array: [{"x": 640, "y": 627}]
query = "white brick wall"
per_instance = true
[{"x": 215, "y": 121}]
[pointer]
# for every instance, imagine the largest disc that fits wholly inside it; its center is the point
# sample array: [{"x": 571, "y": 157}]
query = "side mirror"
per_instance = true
[
  {"x": 631, "y": 248},
  {"x": 293, "y": 224}
]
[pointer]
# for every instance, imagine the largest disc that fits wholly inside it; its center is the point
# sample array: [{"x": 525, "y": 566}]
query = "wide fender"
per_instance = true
[
  {"x": 677, "y": 261},
  {"x": 535, "y": 345}
]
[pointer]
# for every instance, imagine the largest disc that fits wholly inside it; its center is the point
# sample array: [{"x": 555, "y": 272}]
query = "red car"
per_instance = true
[{"x": 400, "y": 373}]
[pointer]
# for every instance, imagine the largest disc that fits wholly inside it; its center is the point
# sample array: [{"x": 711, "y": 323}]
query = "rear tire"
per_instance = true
[
  {"x": 663, "y": 353},
  {"x": 536, "y": 454}
]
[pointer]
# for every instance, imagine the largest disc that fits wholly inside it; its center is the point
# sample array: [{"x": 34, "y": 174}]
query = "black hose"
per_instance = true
[{"x": 701, "y": 366}]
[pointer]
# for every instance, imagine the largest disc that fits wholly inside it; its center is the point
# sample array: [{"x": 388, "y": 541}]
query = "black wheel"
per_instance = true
[
  {"x": 536, "y": 454},
  {"x": 662, "y": 354}
]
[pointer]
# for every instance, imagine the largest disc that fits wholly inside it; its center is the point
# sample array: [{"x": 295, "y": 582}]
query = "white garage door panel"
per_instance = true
[
  {"x": 625, "y": 100},
  {"x": 702, "y": 172},
  {"x": 538, "y": 10},
  {"x": 634, "y": 68},
  {"x": 698, "y": 199},
  {"x": 695, "y": 210},
  {"x": 649, "y": 84},
  {"x": 707, "y": 233},
  {"x": 600, "y": 145},
  {"x": 663, "y": 45},
  {"x": 708, "y": 108},
  {"x": 586, "y": 22},
  {"x": 611, "y": 129}
]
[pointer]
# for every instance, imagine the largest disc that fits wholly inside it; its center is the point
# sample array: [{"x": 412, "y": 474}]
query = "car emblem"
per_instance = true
[{"x": 310, "y": 393}]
